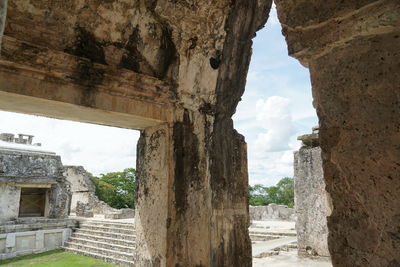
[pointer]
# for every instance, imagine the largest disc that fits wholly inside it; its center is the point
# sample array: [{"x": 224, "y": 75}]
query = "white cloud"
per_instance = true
[{"x": 274, "y": 116}]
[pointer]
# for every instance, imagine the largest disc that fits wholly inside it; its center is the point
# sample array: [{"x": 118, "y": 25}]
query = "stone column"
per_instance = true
[
  {"x": 312, "y": 202},
  {"x": 153, "y": 185},
  {"x": 192, "y": 206},
  {"x": 352, "y": 50},
  {"x": 3, "y": 15}
]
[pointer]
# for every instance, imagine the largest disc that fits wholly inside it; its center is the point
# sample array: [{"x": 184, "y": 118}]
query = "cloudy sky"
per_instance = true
[{"x": 276, "y": 108}]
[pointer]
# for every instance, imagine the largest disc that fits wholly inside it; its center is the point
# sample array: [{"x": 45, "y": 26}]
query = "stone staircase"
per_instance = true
[{"x": 109, "y": 241}]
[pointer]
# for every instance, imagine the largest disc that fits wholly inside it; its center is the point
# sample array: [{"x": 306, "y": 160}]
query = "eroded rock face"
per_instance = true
[{"x": 352, "y": 49}]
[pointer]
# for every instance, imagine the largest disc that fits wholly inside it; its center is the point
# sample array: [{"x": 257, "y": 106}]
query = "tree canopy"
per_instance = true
[
  {"x": 117, "y": 189},
  {"x": 282, "y": 193}
]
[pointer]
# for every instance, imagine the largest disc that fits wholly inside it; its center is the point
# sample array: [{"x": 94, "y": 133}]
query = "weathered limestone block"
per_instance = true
[
  {"x": 352, "y": 49},
  {"x": 80, "y": 181},
  {"x": 83, "y": 209},
  {"x": 205, "y": 158},
  {"x": 32, "y": 169},
  {"x": 82, "y": 188},
  {"x": 311, "y": 199},
  {"x": 29, "y": 166},
  {"x": 272, "y": 212},
  {"x": 84, "y": 191},
  {"x": 9, "y": 202}
]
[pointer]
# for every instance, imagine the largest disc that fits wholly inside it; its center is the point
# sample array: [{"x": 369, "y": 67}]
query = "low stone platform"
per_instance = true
[{"x": 33, "y": 235}]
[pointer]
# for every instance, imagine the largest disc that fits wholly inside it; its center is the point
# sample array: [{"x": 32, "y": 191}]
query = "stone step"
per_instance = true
[
  {"x": 102, "y": 257},
  {"x": 101, "y": 251},
  {"x": 115, "y": 241},
  {"x": 105, "y": 234},
  {"x": 277, "y": 233},
  {"x": 107, "y": 229},
  {"x": 107, "y": 245},
  {"x": 254, "y": 237},
  {"x": 108, "y": 223}
]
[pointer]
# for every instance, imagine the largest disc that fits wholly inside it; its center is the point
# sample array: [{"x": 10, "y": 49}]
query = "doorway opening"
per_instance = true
[
  {"x": 275, "y": 110},
  {"x": 33, "y": 202}
]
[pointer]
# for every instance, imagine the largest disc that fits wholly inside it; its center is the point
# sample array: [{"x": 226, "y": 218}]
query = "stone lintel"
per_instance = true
[
  {"x": 29, "y": 181},
  {"x": 78, "y": 88}
]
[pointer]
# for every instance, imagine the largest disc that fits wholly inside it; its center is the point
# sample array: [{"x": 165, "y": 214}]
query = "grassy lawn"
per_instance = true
[{"x": 54, "y": 258}]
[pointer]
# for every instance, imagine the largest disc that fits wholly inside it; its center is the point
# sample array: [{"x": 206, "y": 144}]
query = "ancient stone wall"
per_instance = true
[
  {"x": 84, "y": 201},
  {"x": 9, "y": 202},
  {"x": 82, "y": 188},
  {"x": 272, "y": 212},
  {"x": 32, "y": 169},
  {"x": 311, "y": 199}
]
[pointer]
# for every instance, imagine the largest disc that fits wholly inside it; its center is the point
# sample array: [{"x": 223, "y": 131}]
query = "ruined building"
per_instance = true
[
  {"x": 312, "y": 202},
  {"x": 84, "y": 202},
  {"x": 33, "y": 191},
  {"x": 176, "y": 70}
]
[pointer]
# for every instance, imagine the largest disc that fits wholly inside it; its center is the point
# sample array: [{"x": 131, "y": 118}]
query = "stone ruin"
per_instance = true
[
  {"x": 25, "y": 139},
  {"x": 312, "y": 202},
  {"x": 177, "y": 69},
  {"x": 84, "y": 201},
  {"x": 38, "y": 193},
  {"x": 32, "y": 183},
  {"x": 34, "y": 198},
  {"x": 272, "y": 212}
]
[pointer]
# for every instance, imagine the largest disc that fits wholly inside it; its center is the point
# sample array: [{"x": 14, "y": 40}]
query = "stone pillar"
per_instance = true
[
  {"x": 352, "y": 50},
  {"x": 3, "y": 15},
  {"x": 311, "y": 199},
  {"x": 154, "y": 155},
  {"x": 192, "y": 206}
]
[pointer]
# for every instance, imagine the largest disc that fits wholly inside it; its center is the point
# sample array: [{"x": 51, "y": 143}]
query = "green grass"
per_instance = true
[{"x": 54, "y": 258}]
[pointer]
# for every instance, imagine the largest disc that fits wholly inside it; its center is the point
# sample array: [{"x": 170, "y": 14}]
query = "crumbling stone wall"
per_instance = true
[
  {"x": 272, "y": 212},
  {"x": 84, "y": 201},
  {"x": 311, "y": 199},
  {"x": 82, "y": 188}
]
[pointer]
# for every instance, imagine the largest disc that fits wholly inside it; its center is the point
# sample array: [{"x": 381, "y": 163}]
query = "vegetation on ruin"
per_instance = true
[
  {"x": 117, "y": 189},
  {"x": 54, "y": 258},
  {"x": 282, "y": 193}
]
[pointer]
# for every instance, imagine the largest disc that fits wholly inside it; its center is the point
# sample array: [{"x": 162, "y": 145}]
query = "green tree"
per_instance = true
[
  {"x": 282, "y": 193},
  {"x": 257, "y": 195},
  {"x": 286, "y": 191},
  {"x": 117, "y": 189}
]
